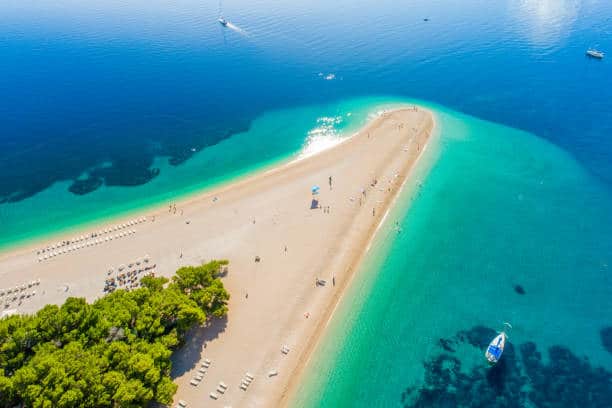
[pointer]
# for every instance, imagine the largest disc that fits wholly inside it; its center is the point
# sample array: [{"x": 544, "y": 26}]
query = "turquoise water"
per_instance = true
[
  {"x": 499, "y": 208},
  {"x": 274, "y": 137}
]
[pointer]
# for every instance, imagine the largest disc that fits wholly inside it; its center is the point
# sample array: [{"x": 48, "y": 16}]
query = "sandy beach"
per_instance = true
[{"x": 291, "y": 254}]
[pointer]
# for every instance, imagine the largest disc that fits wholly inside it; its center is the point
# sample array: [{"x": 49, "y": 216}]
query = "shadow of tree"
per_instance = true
[{"x": 192, "y": 352}]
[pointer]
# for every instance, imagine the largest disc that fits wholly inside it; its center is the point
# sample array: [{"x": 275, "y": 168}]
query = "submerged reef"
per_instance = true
[
  {"x": 606, "y": 338},
  {"x": 109, "y": 154},
  {"x": 520, "y": 379}
]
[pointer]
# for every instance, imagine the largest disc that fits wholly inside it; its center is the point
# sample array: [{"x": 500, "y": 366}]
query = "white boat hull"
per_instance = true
[{"x": 496, "y": 348}]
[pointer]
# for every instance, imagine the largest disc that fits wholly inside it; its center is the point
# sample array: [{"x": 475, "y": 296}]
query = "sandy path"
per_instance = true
[{"x": 256, "y": 217}]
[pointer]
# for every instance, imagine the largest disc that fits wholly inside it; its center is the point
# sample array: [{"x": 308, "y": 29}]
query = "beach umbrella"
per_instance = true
[{"x": 315, "y": 189}]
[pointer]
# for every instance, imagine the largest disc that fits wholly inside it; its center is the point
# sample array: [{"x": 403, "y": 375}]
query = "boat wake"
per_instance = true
[{"x": 237, "y": 29}]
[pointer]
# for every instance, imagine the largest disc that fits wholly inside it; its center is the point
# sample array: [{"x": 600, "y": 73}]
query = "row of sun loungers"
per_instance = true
[
  {"x": 246, "y": 381},
  {"x": 221, "y": 388},
  {"x": 204, "y": 365},
  {"x": 93, "y": 238},
  {"x": 19, "y": 288},
  {"x": 18, "y": 293},
  {"x": 88, "y": 243}
]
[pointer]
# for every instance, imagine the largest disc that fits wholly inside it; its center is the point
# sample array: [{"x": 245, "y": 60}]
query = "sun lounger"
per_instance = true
[
  {"x": 213, "y": 396},
  {"x": 222, "y": 384},
  {"x": 202, "y": 370},
  {"x": 182, "y": 403},
  {"x": 249, "y": 376},
  {"x": 272, "y": 373},
  {"x": 220, "y": 390},
  {"x": 194, "y": 382},
  {"x": 243, "y": 387},
  {"x": 199, "y": 377}
]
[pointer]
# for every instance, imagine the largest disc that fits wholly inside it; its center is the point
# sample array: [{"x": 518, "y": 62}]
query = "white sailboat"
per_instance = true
[
  {"x": 496, "y": 346},
  {"x": 222, "y": 19}
]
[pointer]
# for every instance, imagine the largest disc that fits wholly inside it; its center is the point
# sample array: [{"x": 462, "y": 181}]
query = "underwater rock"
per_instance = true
[
  {"x": 606, "y": 338},
  {"x": 519, "y": 289},
  {"x": 82, "y": 187},
  {"x": 446, "y": 344},
  {"x": 520, "y": 379}
]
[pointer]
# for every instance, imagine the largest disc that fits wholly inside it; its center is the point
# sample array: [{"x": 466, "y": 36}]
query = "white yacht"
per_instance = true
[{"x": 595, "y": 53}]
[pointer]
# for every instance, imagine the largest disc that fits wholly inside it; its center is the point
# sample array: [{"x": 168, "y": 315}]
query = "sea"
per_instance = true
[{"x": 112, "y": 107}]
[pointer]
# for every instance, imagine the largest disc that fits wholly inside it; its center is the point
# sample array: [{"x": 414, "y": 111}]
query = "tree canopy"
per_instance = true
[{"x": 114, "y": 352}]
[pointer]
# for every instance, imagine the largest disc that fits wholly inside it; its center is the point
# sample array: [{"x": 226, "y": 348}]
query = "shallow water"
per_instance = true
[{"x": 499, "y": 208}]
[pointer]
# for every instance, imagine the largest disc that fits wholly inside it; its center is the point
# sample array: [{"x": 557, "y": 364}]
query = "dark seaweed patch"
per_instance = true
[
  {"x": 520, "y": 379},
  {"x": 116, "y": 153},
  {"x": 606, "y": 338},
  {"x": 519, "y": 289}
]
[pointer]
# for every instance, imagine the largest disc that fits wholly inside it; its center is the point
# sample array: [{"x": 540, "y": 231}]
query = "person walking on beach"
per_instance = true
[{"x": 330, "y": 182}]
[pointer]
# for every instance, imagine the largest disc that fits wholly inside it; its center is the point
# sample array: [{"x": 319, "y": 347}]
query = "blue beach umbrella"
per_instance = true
[{"x": 315, "y": 189}]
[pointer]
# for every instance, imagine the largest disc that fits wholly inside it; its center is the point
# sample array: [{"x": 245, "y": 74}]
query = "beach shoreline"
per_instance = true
[
  {"x": 288, "y": 393},
  {"x": 280, "y": 294}
]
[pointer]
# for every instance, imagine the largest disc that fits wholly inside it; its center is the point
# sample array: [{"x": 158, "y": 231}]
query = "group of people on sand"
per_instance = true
[{"x": 172, "y": 209}]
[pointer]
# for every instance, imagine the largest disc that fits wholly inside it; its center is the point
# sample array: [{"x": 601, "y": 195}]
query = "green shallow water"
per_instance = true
[
  {"x": 498, "y": 208},
  {"x": 274, "y": 137}
]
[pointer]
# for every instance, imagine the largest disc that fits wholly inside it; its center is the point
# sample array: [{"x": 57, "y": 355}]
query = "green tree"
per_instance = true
[{"x": 114, "y": 352}]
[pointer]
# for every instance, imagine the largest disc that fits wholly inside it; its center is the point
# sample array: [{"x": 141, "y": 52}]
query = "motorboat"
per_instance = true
[
  {"x": 595, "y": 53},
  {"x": 223, "y": 21}
]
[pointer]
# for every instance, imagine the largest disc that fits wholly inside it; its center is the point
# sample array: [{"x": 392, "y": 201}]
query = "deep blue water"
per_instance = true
[{"x": 108, "y": 81}]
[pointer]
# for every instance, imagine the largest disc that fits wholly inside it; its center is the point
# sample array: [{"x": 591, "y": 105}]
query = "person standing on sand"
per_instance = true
[
  {"x": 373, "y": 212},
  {"x": 330, "y": 182}
]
